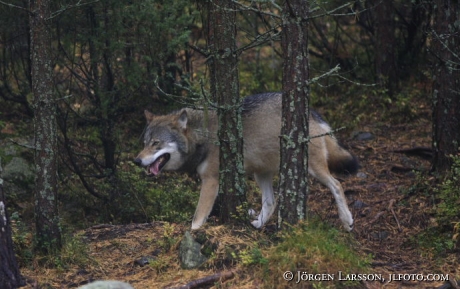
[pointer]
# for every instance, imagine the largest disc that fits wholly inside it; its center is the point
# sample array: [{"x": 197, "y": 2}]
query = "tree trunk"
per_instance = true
[
  {"x": 293, "y": 184},
  {"x": 46, "y": 215},
  {"x": 232, "y": 181},
  {"x": 385, "y": 46},
  {"x": 10, "y": 277},
  {"x": 446, "y": 88}
]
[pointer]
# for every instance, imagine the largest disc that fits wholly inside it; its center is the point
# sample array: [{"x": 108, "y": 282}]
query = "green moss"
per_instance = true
[
  {"x": 316, "y": 248},
  {"x": 443, "y": 236}
]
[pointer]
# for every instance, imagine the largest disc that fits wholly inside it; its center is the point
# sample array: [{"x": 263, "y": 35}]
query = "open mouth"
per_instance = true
[{"x": 155, "y": 167}]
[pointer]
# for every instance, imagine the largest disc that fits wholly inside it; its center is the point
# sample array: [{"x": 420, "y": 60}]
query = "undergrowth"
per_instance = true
[
  {"x": 444, "y": 236},
  {"x": 313, "y": 247},
  {"x": 162, "y": 198},
  {"x": 140, "y": 199},
  {"x": 74, "y": 251},
  {"x": 351, "y": 105}
]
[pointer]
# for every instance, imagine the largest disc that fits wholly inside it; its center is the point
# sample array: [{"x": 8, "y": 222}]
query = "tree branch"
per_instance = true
[
  {"x": 16, "y": 7},
  {"x": 332, "y": 71},
  {"x": 199, "y": 283},
  {"x": 67, "y": 7},
  {"x": 198, "y": 49},
  {"x": 261, "y": 38},
  {"x": 249, "y": 8},
  {"x": 309, "y": 138}
]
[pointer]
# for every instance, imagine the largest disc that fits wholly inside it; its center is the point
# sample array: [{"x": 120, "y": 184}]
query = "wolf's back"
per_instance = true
[
  {"x": 340, "y": 160},
  {"x": 262, "y": 117}
]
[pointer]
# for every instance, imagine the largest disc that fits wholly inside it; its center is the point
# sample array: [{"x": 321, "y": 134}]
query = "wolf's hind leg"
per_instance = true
[
  {"x": 208, "y": 194},
  {"x": 265, "y": 182},
  {"x": 322, "y": 174}
]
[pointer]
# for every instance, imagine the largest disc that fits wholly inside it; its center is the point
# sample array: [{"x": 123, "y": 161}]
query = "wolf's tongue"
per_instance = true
[{"x": 155, "y": 167}]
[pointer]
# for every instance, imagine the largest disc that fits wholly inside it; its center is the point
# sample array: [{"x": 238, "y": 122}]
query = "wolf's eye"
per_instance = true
[{"x": 155, "y": 143}]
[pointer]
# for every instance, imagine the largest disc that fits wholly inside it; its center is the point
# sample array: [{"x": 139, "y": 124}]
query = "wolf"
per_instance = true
[{"x": 185, "y": 141}]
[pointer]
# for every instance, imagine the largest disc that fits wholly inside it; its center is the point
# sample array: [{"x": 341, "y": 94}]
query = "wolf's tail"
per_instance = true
[{"x": 339, "y": 159}]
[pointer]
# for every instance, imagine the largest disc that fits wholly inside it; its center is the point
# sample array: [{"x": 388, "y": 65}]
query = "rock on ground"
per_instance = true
[{"x": 107, "y": 285}]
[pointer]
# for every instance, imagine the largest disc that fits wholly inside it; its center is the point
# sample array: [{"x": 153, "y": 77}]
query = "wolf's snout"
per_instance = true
[{"x": 137, "y": 161}]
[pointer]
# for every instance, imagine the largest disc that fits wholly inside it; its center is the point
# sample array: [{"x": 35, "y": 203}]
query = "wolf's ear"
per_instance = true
[
  {"x": 148, "y": 115},
  {"x": 183, "y": 118}
]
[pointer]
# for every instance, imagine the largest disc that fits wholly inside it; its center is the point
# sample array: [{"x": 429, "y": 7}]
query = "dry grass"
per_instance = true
[{"x": 112, "y": 252}]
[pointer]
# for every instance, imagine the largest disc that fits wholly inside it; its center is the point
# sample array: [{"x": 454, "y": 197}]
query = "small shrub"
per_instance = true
[
  {"x": 22, "y": 240},
  {"x": 74, "y": 252},
  {"x": 168, "y": 239},
  {"x": 448, "y": 193},
  {"x": 252, "y": 257},
  {"x": 443, "y": 237},
  {"x": 162, "y": 198},
  {"x": 162, "y": 263},
  {"x": 315, "y": 248}
]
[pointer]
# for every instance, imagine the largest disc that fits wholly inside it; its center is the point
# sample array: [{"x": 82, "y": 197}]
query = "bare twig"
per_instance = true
[
  {"x": 333, "y": 11},
  {"x": 68, "y": 7},
  {"x": 198, "y": 49},
  {"x": 354, "y": 82},
  {"x": 249, "y": 8},
  {"x": 390, "y": 207},
  {"x": 198, "y": 283},
  {"x": 377, "y": 216},
  {"x": 261, "y": 38},
  {"x": 423, "y": 152},
  {"x": 16, "y": 7},
  {"x": 332, "y": 71},
  {"x": 309, "y": 138},
  {"x": 177, "y": 98},
  {"x": 442, "y": 39}
]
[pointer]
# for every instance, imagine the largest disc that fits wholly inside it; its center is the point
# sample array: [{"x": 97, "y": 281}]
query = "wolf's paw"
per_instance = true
[
  {"x": 257, "y": 224},
  {"x": 347, "y": 218},
  {"x": 196, "y": 225},
  {"x": 349, "y": 228},
  {"x": 252, "y": 214},
  {"x": 348, "y": 225}
]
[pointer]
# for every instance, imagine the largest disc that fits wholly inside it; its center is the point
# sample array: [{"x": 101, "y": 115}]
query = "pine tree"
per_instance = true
[
  {"x": 232, "y": 180},
  {"x": 45, "y": 130},
  {"x": 293, "y": 186},
  {"x": 446, "y": 89}
]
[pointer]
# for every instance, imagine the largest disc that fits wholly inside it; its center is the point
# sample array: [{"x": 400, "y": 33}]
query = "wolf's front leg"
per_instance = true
[
  {"x": 264, "y": 180},
  {"x": 208, "y": 194}
]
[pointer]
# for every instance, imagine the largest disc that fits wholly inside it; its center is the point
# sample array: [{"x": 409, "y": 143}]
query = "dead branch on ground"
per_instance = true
[{"x": 208, "y": 280}]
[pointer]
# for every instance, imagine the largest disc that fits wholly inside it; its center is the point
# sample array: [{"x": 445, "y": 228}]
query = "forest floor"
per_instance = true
[{"x": 388, "y": 218}]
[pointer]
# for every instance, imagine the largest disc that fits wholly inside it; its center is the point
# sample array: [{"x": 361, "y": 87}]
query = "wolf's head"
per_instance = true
[{"x": 165, "y": 142}]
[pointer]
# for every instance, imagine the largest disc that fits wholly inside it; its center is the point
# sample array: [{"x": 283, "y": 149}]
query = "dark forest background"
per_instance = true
[{"x": 373, "y": 61}]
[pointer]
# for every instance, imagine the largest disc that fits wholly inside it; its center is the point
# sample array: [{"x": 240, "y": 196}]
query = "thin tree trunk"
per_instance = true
[
  {"x": 46, "y": 213},
  {"x": 446, "y": 88},
  {"x": 10, "y": 277},
  {"x": 293, "y": 185},
  {"x": 232, "y": 182},
  {"x": 385, "y": 46}
]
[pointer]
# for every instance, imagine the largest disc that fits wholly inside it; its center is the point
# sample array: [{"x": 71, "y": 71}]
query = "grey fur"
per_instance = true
[{"x": 185, "y": 140}]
